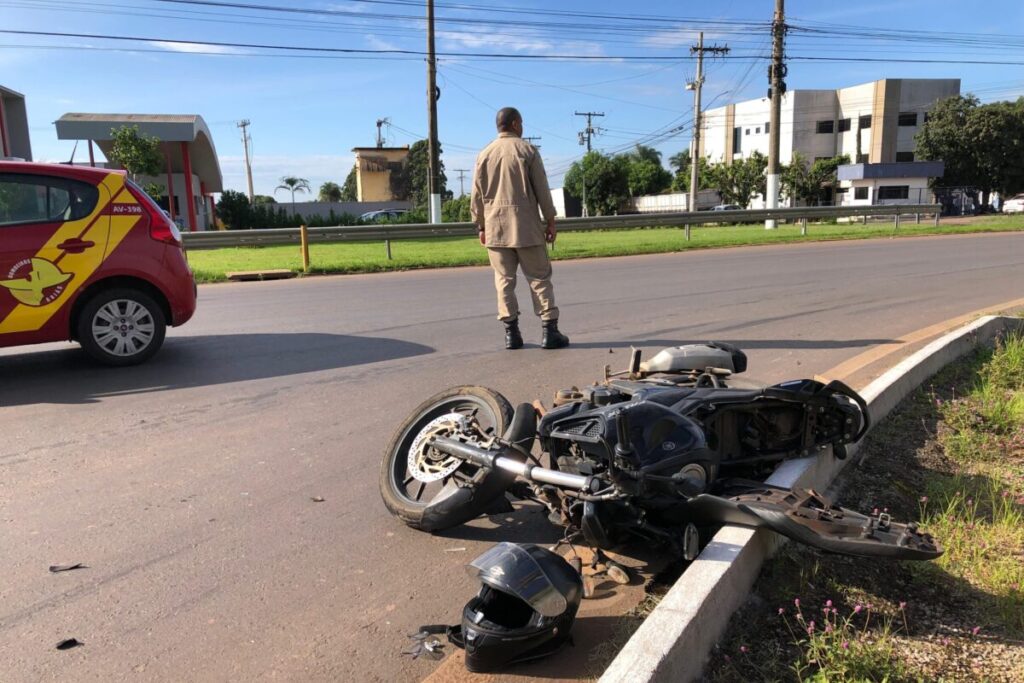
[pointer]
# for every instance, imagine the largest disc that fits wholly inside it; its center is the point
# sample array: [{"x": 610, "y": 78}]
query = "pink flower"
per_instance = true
[
  {"x": 810, "y": 627},
  {"x": 857, "y": 608},
  {"x": 846, "y": 645},
  {"x": 1006, "y": 494},
  {"x": 796, "y": 602},
  {"x": 782, "y": 610},
  {"x": 835, "y": 611},
  {"x": 923, "y": 499},
  {"x": 828, "y": 603},
  {"x": 727, "y": 658},
  {"x": 828, "y": 628},
  {"x": 975, "y": 630},
  {"x": 743, "y": 649},
  {"x": 903, "y": 605},
  {"x": 945, "y": 641}
]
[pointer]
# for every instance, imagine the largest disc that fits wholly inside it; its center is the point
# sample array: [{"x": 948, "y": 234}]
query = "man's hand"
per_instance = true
[
  {"x": 552, "y": 232},
  {"x": 483, "y": 236}
]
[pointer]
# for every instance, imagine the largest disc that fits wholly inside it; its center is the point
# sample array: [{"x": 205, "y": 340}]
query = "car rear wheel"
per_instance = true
[{"x": 121, "y": 327}]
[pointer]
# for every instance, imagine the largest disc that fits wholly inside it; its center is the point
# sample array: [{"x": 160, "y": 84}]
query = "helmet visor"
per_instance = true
[{"x": 512, "y": 569}]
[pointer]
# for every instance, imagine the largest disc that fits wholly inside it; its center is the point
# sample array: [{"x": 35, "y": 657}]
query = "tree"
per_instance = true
[
  {"x": 646, "y": 177},
  {"x": 645, "y": 153},
  {"x": 350, "y": 190},
  {"x": 982, "y": 146},
  {"x": 680, "y": 161},
  {"x": 136, "y": 152},
  {"x": 330, "y": 192},
  {"x": 294, "y": 185},
  {"x": 607, "y": 182},
  {"x": 412, "y": 182},
  {"x": 233, "y": 208},
  {"x": 263, "y": 199},
  {"x": 739, "y": 181},
  {"x": 811, "y": 183},
  {"x": 456, "y": 210}
]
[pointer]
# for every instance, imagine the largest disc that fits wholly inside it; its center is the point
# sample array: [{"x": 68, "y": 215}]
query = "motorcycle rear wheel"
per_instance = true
[{"x": 456, "y": 496}]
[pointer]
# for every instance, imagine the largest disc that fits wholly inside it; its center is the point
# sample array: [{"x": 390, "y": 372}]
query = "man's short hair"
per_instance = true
[{"x": 506, "y": 117}]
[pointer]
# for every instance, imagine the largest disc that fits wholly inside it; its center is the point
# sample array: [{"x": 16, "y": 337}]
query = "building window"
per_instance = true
[
  {"x": 862, "y": 158},
  {"x": 904, "y": 156},
  {"x": 826, "y": 126},
  {"x": 737, "y": 140},
  {"x": 908, "y": 118},
  {"x": 767, "y": 127},
  {"x": 893, "y": 191},
  {"x": 844, "y": 125},
  {"x": 758, "y": 130},
  {"x": 747, "y": 131},
  {"x": 860, "y": 193},
  {"x": 926, "y": 117},
  {"x": 864, "y": 121}
]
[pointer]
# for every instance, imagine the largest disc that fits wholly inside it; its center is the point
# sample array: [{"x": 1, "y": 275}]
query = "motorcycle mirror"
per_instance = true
[{"x": 691, "y": 542}]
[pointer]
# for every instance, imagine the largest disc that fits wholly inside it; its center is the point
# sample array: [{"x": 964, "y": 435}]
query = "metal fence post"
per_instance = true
[
  {"x": 936, "y": 219},
  {"x": 387, "y": 246},
  {"x": 917, "y": 218},
  {"x": 897, "y": 222},
  {"x": 864, "y": 219},
  {"x": 304, "y": 242},
  {"x": 803, "y": 226},
  {"x": 687, "y": 232}
]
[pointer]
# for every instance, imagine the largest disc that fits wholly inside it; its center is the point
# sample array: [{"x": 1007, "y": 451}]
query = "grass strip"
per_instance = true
[
  {"x": 442, "y": 252},
  {"x": 952, "y": 455}
]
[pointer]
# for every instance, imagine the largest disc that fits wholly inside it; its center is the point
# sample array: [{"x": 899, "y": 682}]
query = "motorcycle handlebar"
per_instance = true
[{"x": 496, "y": 459}]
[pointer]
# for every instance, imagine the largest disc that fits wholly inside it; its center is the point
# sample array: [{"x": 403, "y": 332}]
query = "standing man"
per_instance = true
[{"x": 510, "y": 191}]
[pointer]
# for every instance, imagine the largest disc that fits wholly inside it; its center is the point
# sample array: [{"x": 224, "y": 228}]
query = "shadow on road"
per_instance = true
[
  {"x": 68, "y": 376},
  {"x": 745, "y": 344}
]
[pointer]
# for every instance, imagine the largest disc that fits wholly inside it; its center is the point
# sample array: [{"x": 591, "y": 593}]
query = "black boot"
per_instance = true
[
  {"x": 513, "y": 337},
  {"x": 553, "y": 339}
]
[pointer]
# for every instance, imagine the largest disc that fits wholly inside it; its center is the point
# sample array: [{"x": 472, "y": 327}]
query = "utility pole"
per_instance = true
[
  {"x": 246, "y": 142},
  {"x": 434, "y": 172},
  {"x": 462, "y": 174},
  {"x": 531, "y": 139},
  {"x": 776, "y": 72},
  {"x": 380, "y": 137},
  {"x": 585, "y": 136},
  {"x": 696, "y": 85}
]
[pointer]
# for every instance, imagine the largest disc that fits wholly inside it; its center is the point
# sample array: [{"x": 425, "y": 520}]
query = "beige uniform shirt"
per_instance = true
[{"x": 510, "y": 191}]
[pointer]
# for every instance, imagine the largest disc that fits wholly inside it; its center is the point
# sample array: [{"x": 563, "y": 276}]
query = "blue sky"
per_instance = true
[{"x": 308, "y": 112}]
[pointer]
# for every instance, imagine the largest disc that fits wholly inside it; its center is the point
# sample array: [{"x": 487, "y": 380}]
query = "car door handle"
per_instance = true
[{"x": 75, "y": 246}]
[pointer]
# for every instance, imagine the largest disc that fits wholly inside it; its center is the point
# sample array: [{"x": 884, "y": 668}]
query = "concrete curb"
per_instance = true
[{"x": 675, "y": 640}]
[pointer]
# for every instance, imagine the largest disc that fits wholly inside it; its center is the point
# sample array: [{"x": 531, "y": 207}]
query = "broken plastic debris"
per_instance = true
[
  {"x": 66, "y": 567},
  {"x": 317, "y": 499},
  {"x": 69, "y": 643}
]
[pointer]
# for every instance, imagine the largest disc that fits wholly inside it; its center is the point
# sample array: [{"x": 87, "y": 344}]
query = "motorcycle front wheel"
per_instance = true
[{"x": 432, "y": 491}]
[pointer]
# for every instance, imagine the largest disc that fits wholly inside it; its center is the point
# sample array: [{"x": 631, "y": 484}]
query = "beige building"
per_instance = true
[
  {"x": 375, "y": 167},
  {"x": 872, "y": 122}
]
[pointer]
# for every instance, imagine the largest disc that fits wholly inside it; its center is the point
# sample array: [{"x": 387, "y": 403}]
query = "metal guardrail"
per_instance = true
[{"x": 375, "y": 233}]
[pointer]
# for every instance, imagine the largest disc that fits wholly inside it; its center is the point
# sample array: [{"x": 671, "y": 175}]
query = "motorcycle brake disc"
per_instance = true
[{"x": 426, "y": 463}]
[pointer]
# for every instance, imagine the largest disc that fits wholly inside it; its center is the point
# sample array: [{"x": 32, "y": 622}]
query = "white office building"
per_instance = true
[{"x": 872, "y": 123}]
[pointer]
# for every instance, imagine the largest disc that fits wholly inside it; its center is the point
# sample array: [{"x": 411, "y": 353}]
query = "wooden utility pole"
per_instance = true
[
  {"x": 531, "y": 139},
  {"x": 699, "y": 49},
  {"x": 776, "y": 74},
  {"x": 434, "y": 172},
  {"x": 585, "y": 135},
  {"x": 246, "y": 140}
]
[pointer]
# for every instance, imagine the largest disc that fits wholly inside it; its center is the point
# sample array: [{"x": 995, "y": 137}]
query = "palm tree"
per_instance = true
[
  {"x": 295, "y": 185},
  {"x": 330, "y": 192}
]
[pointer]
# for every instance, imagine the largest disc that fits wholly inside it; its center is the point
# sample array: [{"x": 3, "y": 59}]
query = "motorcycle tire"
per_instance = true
[{"x": 467, "y": 492}]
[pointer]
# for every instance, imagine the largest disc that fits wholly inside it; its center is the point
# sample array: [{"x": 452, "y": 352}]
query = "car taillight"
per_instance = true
[{"x": 161, "y": 228}]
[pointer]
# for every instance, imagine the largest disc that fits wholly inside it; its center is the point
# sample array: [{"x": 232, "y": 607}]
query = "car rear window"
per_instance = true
[{"x": 27, "y": 198}]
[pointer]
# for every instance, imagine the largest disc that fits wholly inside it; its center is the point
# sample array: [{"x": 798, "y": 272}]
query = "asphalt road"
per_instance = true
[{"x": 186, "y": 485}]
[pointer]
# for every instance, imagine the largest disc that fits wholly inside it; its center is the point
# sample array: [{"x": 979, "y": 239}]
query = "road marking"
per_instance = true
[{"x": 847, "y": 368}]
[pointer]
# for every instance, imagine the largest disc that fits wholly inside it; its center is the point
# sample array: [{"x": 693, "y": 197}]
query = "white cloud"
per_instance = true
[
  {"x": 379, "y": 43},
  {"x": 197, "y": 48},
  {"x": 678, "y": 37}
]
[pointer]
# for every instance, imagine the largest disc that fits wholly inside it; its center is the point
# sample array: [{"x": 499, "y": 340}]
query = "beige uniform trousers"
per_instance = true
[{"x": 537, "y": 269}]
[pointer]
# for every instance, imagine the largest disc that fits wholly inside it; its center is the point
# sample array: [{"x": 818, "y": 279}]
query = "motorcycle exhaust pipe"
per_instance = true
[{"x": 495, "y": 459}]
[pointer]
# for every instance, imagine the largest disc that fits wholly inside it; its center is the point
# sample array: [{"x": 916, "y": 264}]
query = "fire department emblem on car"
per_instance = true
[{"x": 35, "y": 281}]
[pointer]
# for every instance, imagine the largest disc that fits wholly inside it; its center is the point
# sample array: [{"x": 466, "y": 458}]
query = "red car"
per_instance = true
[{"x": 86, "y": 255}]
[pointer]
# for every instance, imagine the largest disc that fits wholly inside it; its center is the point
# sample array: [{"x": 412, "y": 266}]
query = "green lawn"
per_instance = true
[{"x": 363, "y": 257}]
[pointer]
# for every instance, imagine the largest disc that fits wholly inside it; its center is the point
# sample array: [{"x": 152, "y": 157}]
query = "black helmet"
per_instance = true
[{"x": 525, "y": 608}]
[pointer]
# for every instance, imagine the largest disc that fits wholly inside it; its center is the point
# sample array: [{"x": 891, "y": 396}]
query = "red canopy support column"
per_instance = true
[
  {"x": 202, "y": 195},
  {"x": 4, "y": 149},
  {"x": 170, "y": 185},
  {"x": 92, "y": 156},
  {"x": 189, "y": 196}
]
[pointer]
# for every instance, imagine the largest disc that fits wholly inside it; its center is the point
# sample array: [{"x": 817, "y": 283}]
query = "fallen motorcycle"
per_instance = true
[{"x": 650, "y": 454}]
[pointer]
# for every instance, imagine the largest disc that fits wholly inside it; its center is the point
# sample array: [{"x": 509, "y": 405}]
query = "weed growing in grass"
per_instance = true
[{"x": 845, "y": 648}]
